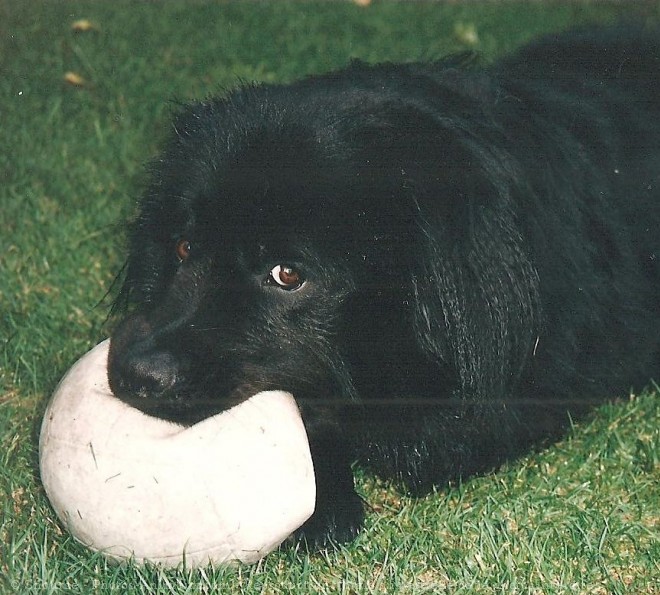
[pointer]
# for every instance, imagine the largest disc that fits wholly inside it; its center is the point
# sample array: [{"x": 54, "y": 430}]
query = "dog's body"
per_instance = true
[{"x": 437, "y": 263}]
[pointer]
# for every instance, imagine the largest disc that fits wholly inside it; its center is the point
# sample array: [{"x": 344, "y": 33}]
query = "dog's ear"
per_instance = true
[
  {"x": 473, "y": 284},
  {"x": 476, "y": 291}
]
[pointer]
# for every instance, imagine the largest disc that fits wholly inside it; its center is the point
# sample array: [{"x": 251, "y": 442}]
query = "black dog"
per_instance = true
[{"x": 439, "y": 263}]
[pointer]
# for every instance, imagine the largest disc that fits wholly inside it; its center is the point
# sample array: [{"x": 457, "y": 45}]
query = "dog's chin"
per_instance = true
[
  {"x": 187, "y": 403},
  {"x": 180, "y": 406}
]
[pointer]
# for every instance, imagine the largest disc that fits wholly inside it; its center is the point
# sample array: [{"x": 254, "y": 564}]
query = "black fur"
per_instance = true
[{"x": 479, "y": 251}]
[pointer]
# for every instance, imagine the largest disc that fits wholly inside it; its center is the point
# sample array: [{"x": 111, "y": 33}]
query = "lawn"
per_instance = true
[{"x": 84, "y": 104}]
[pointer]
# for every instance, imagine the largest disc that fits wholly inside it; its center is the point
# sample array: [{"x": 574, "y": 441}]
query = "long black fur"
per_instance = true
[{"x": 479, "y": 251}]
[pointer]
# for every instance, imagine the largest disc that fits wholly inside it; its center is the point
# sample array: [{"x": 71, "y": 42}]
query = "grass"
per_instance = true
[{"x": 580, "y": 517}]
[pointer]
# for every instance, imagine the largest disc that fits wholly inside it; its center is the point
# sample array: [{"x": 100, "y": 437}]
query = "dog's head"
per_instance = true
[{"x": 299, "y": 238}]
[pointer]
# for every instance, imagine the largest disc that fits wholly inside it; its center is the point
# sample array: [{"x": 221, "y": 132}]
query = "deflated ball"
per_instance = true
[{"x": 229, "y": 488}]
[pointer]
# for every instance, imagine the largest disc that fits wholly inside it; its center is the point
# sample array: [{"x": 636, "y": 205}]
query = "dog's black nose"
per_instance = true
[
  {"x": 138, "y": 368},
  {"x": 145, "y": 374},
  {"x": 137, "y": 374}
]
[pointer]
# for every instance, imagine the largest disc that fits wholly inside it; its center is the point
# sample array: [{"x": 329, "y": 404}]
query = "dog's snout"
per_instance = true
[
  {"x": 138, "y": 368},
  {"x": 148, "y": 374}
]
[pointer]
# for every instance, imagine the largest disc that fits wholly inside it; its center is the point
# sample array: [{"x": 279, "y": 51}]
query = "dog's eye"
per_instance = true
[
  {"x": 182, "y": 249},
  {"x": 286, "y": 277}
]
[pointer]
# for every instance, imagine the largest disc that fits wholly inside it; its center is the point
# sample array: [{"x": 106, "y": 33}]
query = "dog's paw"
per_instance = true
[{"x": 333, "y": 524}]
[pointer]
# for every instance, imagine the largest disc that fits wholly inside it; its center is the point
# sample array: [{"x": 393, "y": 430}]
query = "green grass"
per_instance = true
[{"x": 579, "y": 517}]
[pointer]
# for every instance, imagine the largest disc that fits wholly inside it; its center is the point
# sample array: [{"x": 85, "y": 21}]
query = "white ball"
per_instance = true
[{"x": 231, "y": 487}]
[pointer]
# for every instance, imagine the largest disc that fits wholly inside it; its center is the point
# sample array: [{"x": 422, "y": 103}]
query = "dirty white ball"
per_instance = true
[{"x": 231, "y": 487}]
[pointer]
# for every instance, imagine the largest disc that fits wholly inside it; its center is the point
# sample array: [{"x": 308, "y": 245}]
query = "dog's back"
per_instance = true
[{"x": 594, "y": 217}]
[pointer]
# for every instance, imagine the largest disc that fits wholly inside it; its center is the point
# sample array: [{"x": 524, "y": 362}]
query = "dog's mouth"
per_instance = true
[
  {"x": 156, "y": 383},
  {"x": 176, "y": 388},
  {"x": 183, "y": 403}
]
